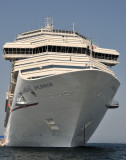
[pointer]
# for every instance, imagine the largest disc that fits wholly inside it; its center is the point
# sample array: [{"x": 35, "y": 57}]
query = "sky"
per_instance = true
[{"x": 103, "y": 21}]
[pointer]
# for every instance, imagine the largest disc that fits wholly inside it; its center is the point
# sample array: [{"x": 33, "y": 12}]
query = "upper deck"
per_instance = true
[{"x": 47, "y": 39}]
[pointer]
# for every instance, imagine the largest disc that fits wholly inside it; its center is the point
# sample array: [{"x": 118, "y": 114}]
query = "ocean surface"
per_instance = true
[{"x": 90, "y": 152}]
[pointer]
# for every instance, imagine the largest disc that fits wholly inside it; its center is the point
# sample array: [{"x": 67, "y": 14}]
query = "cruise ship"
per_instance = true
[{"x": 60, "y": 88}]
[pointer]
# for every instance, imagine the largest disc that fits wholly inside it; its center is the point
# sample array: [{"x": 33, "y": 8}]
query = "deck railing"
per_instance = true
[{"x": 55, "y": 59}]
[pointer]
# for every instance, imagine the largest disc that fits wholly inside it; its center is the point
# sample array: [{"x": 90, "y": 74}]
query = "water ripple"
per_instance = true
[{"x": 91, "y": 152}]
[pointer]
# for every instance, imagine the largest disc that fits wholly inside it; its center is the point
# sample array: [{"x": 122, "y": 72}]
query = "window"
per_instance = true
[{"x": 62, "y": 49}]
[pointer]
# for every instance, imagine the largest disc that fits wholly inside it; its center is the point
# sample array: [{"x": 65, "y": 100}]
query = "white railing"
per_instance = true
[
  {"x": 73, "y": 60},
  {"x": 44, "y": 38},
  {"x": 100, "y": 66},
  {"x": 49, "y": 59}
]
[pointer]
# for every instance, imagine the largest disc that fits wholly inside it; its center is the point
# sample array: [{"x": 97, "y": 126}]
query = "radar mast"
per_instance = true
[{"x": 48, "y": 23}]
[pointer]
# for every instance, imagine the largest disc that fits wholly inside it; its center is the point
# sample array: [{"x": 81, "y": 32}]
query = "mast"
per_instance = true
[
  {"x": 91, "y": 48},
  {"x": 52, "y": 24},
  {"x": 49, "y": 23},
  {"x": 73, "y": 28}
]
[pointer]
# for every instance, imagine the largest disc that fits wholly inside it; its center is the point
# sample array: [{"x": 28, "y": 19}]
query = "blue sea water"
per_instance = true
[{"x": 90, "y": 152}]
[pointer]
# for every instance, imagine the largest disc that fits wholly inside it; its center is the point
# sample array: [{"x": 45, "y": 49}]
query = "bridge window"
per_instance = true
[
  {"x": 62, "y": 49},
  {"x": 104, "y": 56}
]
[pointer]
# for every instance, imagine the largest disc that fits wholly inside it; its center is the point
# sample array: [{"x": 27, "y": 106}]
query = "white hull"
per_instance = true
[{"x": 73, "y": 101}]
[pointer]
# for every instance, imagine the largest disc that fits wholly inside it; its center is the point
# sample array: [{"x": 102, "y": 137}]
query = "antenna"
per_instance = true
[
  {"x": 48, "y": 23},
  {"x": 73, "y": 28},
  {"x": 52, "y": 24},
  {"x": 91, "y": 48}
]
